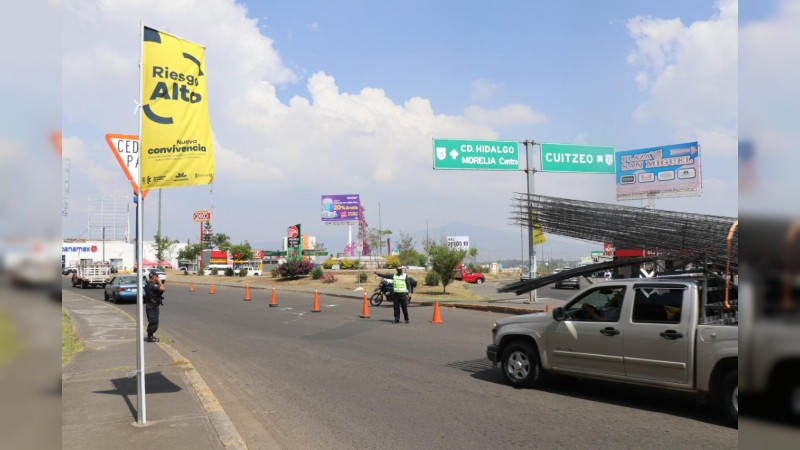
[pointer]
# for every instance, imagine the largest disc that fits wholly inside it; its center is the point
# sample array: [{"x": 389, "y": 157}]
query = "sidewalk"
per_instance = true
[{"x": 99, "y": 394}]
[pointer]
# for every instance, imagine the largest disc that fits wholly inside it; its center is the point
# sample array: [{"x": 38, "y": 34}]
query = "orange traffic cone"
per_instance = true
[
  {"x": 437, "y": 318},
  {"x": 365, "y": 308},
  {"x": 247, "y": 292},
  {"x": 211, "y": 288},
  {"x": 546, "y": 308},
  {"x": 191, "y": 287},
  {"x": 272, "y": 302},
  {"x": 316, "y": 301}
]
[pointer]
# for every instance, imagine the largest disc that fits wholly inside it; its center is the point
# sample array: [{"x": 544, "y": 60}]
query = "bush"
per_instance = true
[
  {"x": 214, "y": 271},
  {"x": 243, "y": 272},
  {"x": 432, "y": 279},
  {"x": 294, "y": 269},
  {"x": 349, "y": 264},
  {"x": 329, "y": 278},
  {"x": 316, "y": 274},
  {"x": 274, "y": 272},
  {"x": 328, "y": 263},
  {"x": 362, "y": 277},
  {"x": 228, "y": 272},
  {"x": 393, "y": 262}
]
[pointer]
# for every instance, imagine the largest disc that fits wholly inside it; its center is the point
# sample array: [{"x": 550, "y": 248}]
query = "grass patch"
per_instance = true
[
  {"x": 9, "y": 344},
  {"x": 70, "y": 344}
]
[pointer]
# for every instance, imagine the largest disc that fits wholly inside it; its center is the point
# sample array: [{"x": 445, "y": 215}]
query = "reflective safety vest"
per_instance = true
[{"x": 399, "y": 283}]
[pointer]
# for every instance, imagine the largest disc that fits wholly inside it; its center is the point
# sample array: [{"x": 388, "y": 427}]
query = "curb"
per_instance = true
[{"x": 228, "y": 436}]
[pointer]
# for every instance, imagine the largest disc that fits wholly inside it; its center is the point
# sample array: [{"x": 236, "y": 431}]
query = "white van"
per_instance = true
[{"x": 221, "y": 268}]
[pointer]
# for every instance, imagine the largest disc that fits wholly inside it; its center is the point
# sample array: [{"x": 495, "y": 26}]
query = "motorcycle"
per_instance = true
[{"x": 383, "y": 292}]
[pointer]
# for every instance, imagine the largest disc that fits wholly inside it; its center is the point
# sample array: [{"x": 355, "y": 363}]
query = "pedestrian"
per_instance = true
[
  {"x": 403, "y": 288},
  {"x": 153, "y": 299}
]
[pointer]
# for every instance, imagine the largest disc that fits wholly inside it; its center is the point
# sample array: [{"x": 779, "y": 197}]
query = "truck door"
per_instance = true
[
  {"x": 590, "y": 339},
  {"x": 658, "y": 337}
]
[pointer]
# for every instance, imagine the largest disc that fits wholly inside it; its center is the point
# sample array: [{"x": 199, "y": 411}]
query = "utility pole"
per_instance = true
[{"x": 380, "y": 230}]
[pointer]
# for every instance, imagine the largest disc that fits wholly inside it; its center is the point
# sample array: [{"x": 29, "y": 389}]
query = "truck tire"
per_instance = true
[
  {"x": 729, "y": 398},
  {"x": 521, "y": 365}
]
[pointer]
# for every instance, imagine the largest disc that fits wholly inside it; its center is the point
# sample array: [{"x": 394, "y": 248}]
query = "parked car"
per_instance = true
[
  {"x": 121, "y": 288},
  {"x": 161, "y": 275},
  {"x": 574, "y": 282},
  {"x": 69, "y": 270}
]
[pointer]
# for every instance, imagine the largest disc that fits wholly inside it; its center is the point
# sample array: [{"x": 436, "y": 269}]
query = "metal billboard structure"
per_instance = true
[
  {"x": 659, "y": 232},
  {"x": 108, "y": 218}
]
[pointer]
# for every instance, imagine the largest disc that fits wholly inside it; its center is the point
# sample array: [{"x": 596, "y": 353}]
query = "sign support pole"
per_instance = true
[
  {"x": 531, "y": 248},
  {"x": 141, "y": 403}
]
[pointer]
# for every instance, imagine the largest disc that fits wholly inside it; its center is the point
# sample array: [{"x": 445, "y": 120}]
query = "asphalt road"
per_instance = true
[{"x": 333, "y": 380}]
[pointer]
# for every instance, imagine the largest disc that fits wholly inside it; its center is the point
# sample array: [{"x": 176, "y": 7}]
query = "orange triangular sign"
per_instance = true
[{"x": 125, "y": 148}]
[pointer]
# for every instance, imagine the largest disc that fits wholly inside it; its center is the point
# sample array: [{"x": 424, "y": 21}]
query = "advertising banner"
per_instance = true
[
  {"x": 668, "y": 171},
  {"x": 340, "y": 208},
  {"x": 175, "y": 130}
]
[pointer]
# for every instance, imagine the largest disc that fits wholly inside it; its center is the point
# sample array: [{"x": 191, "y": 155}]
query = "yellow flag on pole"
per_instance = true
[{"x": 175, "y": 132}]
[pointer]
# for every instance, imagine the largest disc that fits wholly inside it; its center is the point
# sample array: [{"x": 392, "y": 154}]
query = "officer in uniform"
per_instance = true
[
  {"x": 403, "y": 288},
  {"x": 153, "y": 299}
]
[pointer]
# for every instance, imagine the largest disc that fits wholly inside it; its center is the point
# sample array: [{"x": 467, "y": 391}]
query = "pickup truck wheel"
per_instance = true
[
  {"x": 479, "y": 281},
  {"x": 521, "y": 365},
  {"x": 729, "y": 398}
]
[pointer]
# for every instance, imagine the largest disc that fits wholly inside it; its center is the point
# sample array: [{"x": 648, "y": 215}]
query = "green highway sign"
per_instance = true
[
  {"x": 475, "y": 155},
  {"x": 577, "y": 158}
]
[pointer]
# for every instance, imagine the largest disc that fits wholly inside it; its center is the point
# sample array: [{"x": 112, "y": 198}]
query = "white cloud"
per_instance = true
[
  {"x": 483, "y": 90},
  {"x": 688, "y": 72},
  {"x": 514, "y": 114}
]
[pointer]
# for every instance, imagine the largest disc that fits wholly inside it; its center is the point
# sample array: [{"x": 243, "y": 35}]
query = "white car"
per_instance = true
[{"x": 161, "y": 275}]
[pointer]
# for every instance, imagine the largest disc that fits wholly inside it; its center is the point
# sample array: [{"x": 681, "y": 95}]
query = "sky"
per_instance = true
[{"x": 308, "y": 98}]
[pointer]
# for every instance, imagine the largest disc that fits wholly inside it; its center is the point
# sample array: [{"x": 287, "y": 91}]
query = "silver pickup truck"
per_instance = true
[{"x": 650, "y": 332}]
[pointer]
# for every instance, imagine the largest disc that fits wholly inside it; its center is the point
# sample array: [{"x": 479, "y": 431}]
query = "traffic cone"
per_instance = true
[
  {"x": 211, "y": 288},
  {"x": 191, "y": 286},
  {"x": 316, "y": 301},
  {"x": 247, "y": 292},
  {"x": 437, "y": 318},
  {"x": 272, "y": 302},
  {"x": 365, "y": 308},
  {"x": 547, "y": 308}
]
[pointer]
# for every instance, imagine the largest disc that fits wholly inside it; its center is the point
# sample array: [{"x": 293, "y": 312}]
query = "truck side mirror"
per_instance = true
[{"x": 559, "y": 315}]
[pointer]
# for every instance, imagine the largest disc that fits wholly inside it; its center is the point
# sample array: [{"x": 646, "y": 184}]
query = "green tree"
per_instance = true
[
  {"x": 375, "y": 238},
  {"x": 161, "y": 245},
  {"x": 406, "y": 243},
  {"x": 222, "y": 241},
  {"x": 241, "y": 252},
  {"x": 190, "y": 252},
  {"x": 443, "y": 261},
  {"x": 208, "y": 235},
  {"x": 473, "y": 253}
]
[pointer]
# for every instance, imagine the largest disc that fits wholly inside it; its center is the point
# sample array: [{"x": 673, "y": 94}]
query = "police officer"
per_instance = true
[
  {"x": 403, "y": 288},
  {"x": 153, "y": 299}
]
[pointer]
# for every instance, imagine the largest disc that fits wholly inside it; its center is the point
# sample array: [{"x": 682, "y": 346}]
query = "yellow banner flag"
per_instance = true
[{"x": 176, "y": 134}]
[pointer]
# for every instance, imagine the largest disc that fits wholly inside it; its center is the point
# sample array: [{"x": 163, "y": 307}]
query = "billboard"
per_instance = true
[
  {"x": 668, "y": 171},
  {"x": 458, "y": 242},
  {"x": 340, "y": 208}
]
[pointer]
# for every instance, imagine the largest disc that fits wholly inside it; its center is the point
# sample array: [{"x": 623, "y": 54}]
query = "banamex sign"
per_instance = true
[{"x": 201, "y": 216}]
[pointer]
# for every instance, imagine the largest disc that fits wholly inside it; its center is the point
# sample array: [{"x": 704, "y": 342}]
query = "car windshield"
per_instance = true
[{"x": 127, "y": 280}]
